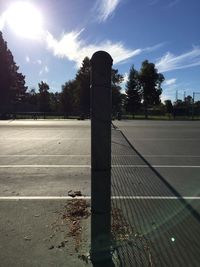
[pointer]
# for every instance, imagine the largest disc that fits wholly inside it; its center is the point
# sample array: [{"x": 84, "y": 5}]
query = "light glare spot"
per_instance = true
[
  {"x": 172, "y": 239},
  {"x": 24, "y": 19}
]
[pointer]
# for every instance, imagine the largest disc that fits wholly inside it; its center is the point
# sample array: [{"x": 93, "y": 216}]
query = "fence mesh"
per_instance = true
[{"x": 149, "y": 231}]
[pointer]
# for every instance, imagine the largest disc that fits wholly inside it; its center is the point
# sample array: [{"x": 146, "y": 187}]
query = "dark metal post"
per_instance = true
[
  {"x": 193, "y": 105},
  {"x": 101, "y": 64}
]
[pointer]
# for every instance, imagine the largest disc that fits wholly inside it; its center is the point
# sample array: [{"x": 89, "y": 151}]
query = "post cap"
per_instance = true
[{"x": 101, "y": 57}]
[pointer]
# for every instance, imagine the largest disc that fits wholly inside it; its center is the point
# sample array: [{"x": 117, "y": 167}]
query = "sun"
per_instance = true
[{"x": 25, "y": 20}]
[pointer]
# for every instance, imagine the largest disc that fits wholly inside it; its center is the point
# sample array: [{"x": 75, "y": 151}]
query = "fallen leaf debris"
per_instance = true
[
  {"x": 70, "y": 221},
  {"x": 72, "y": 193},
  {"x": 120, "y": 229},
  {"x": 75, "y": 211},
  {"x": 122, "y": 233}
]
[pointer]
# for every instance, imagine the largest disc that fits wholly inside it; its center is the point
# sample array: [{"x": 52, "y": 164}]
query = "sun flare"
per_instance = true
[{"x": 25, "y": 20}]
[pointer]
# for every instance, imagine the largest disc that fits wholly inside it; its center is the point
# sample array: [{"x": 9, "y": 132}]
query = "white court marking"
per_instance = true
[
  {"x": 89, "y": 166},
  {"x": 41, "y": 138},
  {"x": 44, "y": 166},
  {"x": 34, "y": 155},
  {"x": 164, "y": 139},
  {"x": 89, "y": 197},
  {"x": 88, "y": 155}
]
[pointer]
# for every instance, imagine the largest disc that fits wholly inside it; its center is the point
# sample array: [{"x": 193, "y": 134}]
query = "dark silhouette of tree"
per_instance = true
[
  {"x": 44, "y": 97},
  {"x": 133, "y": 92},
  {"x": 150, "y": 82},
  {"x": 75, "y": 95},
  {"x": 55, "y": 102},
  {"x": 169, "y": 106},
  {"x": 32, "y": 100},
  {"x": 70, "y": 98},
  {"x": 83, "y": 86},
  {"x": 185, "y": 107},
  {"x": 188, "y": 100},
  {"x": 12, "y": 83},
  {"x": 116, "y": 80}
]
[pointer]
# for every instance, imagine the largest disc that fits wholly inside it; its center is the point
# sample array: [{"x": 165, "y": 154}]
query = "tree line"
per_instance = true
[{"x": 142, "y": 90}]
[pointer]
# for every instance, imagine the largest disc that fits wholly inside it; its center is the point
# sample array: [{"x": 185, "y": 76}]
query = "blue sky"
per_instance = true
[{"x": 166, "y": 32}]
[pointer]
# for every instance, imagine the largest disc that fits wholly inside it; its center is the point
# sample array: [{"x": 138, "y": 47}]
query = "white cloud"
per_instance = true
[
  {"x": 170, "y": 81},
  {"x": 153, "y": 48},
  {"x": 123, "y": 84},
  {"x": 45, "y": 69},
  {"x": 27, "y": 59},
  {"x": 125, "y": 77},
  {"x": 2, "y": 21},
  {"x": 167, "y": 4},
  {"x": 172, "y": 62},
  {"x": 105, "y": 8},
  {"x": 39, "y": 61},
  {"x": 173, "y": 3},
  {"x": 72, "y": 47}
]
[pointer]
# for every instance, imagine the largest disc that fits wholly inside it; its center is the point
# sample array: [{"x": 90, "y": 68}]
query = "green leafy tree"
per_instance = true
[
  {"x": 12, "y": 83},
  {"x": 150, "y": 82},
  {"x": 44, "y": 97},
  {"x": 133, "y": 92}
]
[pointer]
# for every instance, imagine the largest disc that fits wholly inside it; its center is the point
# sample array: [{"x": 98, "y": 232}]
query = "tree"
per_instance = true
[
  {"x": 75, "y": 94},
  {"x": 55, "y": 101},
  {"x": 32, "y": 100},
  {"x": 133, "y": 100},
  {"x": 12, "y": 83},
  {"x": 188, "y": 100},
  {"x": 69, "y": 97},
  {"x": 83, "y": 84},
  {"x": 116, "y": 79},
  {"x": 150, "y": 82},
  {"x": 18, "y": 92},
  {"x": 44, "y": 97},
  {"x": 169, "y": 106}
]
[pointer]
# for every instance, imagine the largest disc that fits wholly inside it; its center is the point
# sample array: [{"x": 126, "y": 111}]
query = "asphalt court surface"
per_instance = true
[
  {"x": 155, "y": 185},
  {"x": 164, "y": 214}
]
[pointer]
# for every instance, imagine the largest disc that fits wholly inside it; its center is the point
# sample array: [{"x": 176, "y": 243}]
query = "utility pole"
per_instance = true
[
  {"x": 184, "y": 96},
  {"x": 194, "y": 93},
  {"x": 101, "y": 64},
  {"x": 176, "y": 95}
]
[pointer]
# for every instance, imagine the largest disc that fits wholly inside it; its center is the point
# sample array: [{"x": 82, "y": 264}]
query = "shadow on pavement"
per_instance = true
[
  {"x": 104, "y": 264},
  {"x": 149, "y": 231}
]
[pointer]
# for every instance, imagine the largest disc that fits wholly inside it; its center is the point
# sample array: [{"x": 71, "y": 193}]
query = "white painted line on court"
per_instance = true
[
  {"x": 34, "y": 155},
  {"x": 44, "y": 166},
  {"x": 89, "y": 197},
  {"x": 171, "y": 156},
  {"x": 155, "y": 166},
  {"x": 42, "y": 197},
  {"x": 156, "y": 197},
  {"x": 164, "y": 139},
  {"x": 159, "y": 156},
  {"x": 41, "y": 138},
  {"x": 89, "y": 166},
  {"x": 88, "y": 155}
]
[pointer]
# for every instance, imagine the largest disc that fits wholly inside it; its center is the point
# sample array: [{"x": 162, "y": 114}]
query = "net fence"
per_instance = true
[{"x": 147, "y": 228}]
